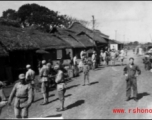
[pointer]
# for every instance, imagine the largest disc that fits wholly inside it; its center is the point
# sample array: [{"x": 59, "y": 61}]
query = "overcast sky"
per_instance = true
[{"x": 125, "y": 20}]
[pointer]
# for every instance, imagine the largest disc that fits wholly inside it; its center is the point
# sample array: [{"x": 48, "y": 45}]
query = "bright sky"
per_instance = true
[{"x": 123, "y": 20}]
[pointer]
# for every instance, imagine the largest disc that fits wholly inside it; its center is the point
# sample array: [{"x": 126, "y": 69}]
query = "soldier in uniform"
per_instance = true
[
  {"x": 30, "y": 77},
  {"x": 113, "y": 57},
  {"x": 60, "y": 86},
  {"x": 3, "y": 101},
  {"x": 86, "y": 69},
  {"x": 107, "y": 57},
  {"x": 44, "y": 74},
  {"x": 94, "y": 59},
  {"x": 22, "y": 92},
  {"x": 131, "y": 78}
]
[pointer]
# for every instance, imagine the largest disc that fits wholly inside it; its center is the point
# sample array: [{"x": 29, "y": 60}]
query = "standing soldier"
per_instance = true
[
  {"x": 102, "y": 57},
  {"x": 113, "y": 57},
  {"x": 108, "y": 56},
  {"x": 30, "y": 78},
  {"x": 131, "y": 78},
  {"x": 60, "y": 86},
  {"x": 86, "y": 69},
  {"x": 94, "y": 59},
  {"x": 3, "y": 101},
  {"x": 22, "y": 91},
  {"x": 44, "y": 73},
  {"x": 122, "y": 56},
  {"x": 75, "y": 63}
]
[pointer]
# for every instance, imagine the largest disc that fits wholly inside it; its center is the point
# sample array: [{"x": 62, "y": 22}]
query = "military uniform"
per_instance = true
[
  {"x": 131, "y": 80},
  {"x": 86, "y": 69},
  {"x": 122, "y": 56},
  {"x": 108, "y": 57},
  {"x": 113, "y": 57},
  {"x": 23, "y": 99},
  {"x": 30, "y": 76},
  {"x": 3, "y": 101},
  {"x": 94, "y": 60},
  {"x": 60, "y": 86},
  {"x": 44, "y": 74}
]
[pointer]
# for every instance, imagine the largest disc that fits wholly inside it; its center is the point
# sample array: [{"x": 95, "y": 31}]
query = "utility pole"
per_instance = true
[{"x": 93, "y": 22}]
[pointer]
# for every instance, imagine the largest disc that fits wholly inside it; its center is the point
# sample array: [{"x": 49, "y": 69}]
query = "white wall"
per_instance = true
[{"x": 115, "y": 46}]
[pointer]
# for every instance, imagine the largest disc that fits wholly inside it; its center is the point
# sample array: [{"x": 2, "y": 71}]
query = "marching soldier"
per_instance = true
[
  {"x": 30, "y": 77},
  {"x": 60, "y": 86},
  {"x": 44, "y": 74},
  {"x": 131, "y": 78},
  {"x": 22, "y": 92}
]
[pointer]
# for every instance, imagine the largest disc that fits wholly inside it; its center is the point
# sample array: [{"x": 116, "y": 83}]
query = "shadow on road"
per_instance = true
[
  {"x": 141, "y": 95},
  {"x": 76, "y": 104},
  {"x": 58, "y": 115},
  {"x": 42, "y": 98},
  {"x": 94, "y": 83},
  {"x": 58, "y": 99},
  {"x": 120, "y": 65},
  {"x": 69, "y": 80},
  {"x": 72, "y": 86}
]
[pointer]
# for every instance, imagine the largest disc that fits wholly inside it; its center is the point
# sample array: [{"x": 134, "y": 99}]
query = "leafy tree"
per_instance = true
[
  {"x": 39, "y": 16},
  {"x": 10, "y": 14},
  {"x": 136, "y": 42}
]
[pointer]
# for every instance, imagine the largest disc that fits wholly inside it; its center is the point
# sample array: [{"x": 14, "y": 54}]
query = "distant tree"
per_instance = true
[
  {"x": 35, "y": 15},
  {"x": 136, "y": 43},
  {"x": 10, "y": 14}
]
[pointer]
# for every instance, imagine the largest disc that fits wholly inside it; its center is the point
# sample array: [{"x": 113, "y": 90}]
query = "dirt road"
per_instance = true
[{"x": 106, "y": 92}]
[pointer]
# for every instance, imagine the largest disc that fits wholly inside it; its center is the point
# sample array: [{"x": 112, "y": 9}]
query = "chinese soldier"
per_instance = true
[
  {"x": 30, "y": 77},
  {"x": 131, "y": 79},
  {"x": 22, "y": 92},
  {"x": 60, "y": 86},
  {"x": 3, "y": 100},
  {"x": 44, "y": 74},
  {"x": 86, "y": 69}
]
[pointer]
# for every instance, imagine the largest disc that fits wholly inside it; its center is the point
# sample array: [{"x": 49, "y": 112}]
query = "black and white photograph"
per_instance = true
[{"x": 76, "y": 59}]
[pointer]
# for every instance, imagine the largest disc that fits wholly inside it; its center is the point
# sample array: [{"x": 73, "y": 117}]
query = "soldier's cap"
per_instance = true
[
  {"x": 43, "y": 62},
  {"x": 28, "y": 66},
  {"x": 21, "y": 76}
]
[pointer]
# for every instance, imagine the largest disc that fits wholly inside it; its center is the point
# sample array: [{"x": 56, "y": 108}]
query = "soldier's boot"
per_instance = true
[{"x": 62, "y": 107}]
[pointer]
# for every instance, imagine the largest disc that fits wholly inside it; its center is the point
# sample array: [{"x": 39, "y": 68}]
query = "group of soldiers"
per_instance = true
[
  {"x": 105, "y": 57},
  {"x": 23, "y": 91}
]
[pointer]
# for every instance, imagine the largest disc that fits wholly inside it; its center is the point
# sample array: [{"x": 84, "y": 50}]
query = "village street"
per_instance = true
[{"x": 106, "y": 92}]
